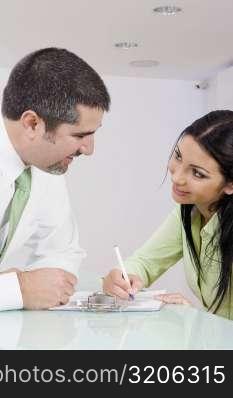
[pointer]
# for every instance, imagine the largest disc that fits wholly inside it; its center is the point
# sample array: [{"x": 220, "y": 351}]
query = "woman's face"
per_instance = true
[{"x": 196, "y": 177}]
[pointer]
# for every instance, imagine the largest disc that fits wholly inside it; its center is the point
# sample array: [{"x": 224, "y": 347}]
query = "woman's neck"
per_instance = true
[{"x": 205, "y": 214}]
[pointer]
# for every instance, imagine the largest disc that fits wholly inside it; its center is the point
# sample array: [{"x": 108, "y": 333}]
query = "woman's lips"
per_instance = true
[{"x": 178, "y": 191}]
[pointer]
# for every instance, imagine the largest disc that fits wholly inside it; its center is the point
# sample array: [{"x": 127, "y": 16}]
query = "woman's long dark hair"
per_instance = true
[{"x": 214, "y": 133}]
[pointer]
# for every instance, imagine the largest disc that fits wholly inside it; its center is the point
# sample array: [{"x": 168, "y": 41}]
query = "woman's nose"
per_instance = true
[{"x": 178, "y": 177}]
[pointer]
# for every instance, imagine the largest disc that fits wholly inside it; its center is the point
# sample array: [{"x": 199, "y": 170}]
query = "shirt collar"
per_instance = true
[
  {"x": 210, "y": 227},
  {"x": 11, "y": 165}
]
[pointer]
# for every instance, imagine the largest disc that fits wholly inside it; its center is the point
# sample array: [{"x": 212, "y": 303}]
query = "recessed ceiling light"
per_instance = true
[
  {"x": 144, "y": 63},
  {"x": 167, "y": 10},
  {"x": 126, "y": 45}
]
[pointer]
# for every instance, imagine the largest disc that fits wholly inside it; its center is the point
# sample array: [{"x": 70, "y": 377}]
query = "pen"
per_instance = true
[{"x": 124, "y": 273}]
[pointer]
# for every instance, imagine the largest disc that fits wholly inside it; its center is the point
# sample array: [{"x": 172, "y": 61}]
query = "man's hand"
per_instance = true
[
  {"x": 115, "y": 285},
  {"x": 46, "y": 287}
]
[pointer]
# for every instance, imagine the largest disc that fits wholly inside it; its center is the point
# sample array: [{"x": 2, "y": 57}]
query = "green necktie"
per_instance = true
[{"x": 18, "y": 203}]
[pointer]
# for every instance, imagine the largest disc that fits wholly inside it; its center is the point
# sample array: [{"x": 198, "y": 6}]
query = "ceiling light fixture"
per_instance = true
[
  {"x": 126, "y": 45},
  {"x": 144, "y": 63},
  {"x": 167, "y": 10}
]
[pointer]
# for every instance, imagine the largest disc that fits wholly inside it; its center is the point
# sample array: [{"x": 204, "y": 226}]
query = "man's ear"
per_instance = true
[
  {"x": 228, "y": 189},
  {"x": 32, "y": 123}
]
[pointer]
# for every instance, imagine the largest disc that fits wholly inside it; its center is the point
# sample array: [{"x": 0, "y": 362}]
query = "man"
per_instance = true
[{"x": 52, "y": 105}]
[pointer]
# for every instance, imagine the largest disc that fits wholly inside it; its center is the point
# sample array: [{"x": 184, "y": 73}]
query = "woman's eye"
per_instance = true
[
  {"x": 197, "y": 174},
  {"x": 177, "y": 155}
]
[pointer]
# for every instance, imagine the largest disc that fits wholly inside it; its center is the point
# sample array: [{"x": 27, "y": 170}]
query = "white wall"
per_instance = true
[
  {"x": 4, "y": 73},
  {"x": 220, "y": 94},
  {"x": 116, "y": 193}
]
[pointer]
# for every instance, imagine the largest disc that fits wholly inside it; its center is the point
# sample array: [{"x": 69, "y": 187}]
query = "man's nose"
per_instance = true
[{"x": 87, "y": 147}]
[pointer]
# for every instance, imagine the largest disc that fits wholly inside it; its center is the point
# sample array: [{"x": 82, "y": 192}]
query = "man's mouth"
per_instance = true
[
  {"x": 68, "y": 159},
  {"x": 76, "y": 154}
]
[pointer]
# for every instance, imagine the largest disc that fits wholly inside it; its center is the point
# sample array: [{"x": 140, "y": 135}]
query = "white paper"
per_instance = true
[{"x": 143, "y": 301}]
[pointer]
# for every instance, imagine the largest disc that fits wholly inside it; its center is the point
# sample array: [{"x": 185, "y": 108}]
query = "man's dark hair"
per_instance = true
[{"x": 52, "y": 82}]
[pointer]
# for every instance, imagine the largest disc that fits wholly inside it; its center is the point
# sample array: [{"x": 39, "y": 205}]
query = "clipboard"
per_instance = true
[{"x": 86, "y": 301}]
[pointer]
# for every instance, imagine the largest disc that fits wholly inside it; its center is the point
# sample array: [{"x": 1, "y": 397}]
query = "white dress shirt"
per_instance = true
[{"x": 47, "y": 234}]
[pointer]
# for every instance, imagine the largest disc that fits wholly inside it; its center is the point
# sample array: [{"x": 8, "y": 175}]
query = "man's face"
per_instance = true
[{"x": 55, "y": 150}]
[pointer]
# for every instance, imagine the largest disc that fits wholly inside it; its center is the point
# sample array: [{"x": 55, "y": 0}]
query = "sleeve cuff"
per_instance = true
[{"x": 10, "y": 293}]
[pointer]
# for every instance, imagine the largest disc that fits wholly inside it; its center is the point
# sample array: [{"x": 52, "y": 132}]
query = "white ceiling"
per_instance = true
[{"x": 192, "y": 45}]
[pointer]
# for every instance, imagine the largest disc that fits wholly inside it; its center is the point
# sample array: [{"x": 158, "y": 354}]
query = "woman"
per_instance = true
[{"x": 200, "y": 228}]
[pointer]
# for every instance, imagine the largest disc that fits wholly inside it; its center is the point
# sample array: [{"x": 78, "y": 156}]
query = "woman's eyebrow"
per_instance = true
[
  {"x": 192, "y": 165},
  {"x": 178, "y": 150},
  {"x": 199, "y": 167}
]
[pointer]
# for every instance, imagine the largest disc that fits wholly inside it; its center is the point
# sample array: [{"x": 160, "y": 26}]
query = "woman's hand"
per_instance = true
[
  {"x": 172, "y": 298},
  {"x": 115, "y": 285}
]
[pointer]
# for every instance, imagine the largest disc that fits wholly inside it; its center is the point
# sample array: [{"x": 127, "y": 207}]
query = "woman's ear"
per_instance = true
[{"x": 228, "y": 189}]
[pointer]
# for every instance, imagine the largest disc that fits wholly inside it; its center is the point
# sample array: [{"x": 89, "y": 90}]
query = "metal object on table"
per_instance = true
[{"x": 100, "y": 301}]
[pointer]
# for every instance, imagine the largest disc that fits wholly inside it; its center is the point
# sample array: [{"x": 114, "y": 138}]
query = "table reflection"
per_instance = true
[{"x": 173, "y": 327}]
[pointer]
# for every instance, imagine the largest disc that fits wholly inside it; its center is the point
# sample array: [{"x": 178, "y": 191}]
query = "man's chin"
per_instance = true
[{"x": 57, "y": 170}]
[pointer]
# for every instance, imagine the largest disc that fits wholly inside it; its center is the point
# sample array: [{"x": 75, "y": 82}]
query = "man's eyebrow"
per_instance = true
[
  {"x": 86, "y": 132},
  {"x": 83, "y": 133},
  {"x": 193, "y": 165}
]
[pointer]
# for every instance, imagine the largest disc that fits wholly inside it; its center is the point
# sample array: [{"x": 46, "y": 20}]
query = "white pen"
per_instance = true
[{"x": 123, "y": 270}]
